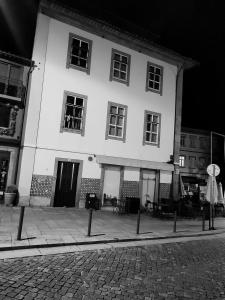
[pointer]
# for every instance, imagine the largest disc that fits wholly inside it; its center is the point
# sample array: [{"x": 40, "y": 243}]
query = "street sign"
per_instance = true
[{"x": 213, "y": 170}]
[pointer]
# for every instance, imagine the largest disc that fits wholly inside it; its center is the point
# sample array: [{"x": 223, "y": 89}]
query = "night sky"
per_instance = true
[{"x": 190, "y": 27}]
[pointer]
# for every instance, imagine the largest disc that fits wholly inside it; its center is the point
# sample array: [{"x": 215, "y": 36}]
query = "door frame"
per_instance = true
[
  {"x": 156, "y": 192},
  {"x": 80, "y": 170}
]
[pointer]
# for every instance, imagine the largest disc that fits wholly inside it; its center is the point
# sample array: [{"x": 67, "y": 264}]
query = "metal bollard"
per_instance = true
[
  {"x": 89, "y": 221},
  {"x": 138, "y": 221},
  {"x": 20, "y": 223},
  {"x": 203, "y": 219},
  {"x": 175, "y": 222}
]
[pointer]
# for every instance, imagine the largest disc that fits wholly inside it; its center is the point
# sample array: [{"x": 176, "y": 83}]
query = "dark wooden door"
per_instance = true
[{"x": 66, "y": 184}]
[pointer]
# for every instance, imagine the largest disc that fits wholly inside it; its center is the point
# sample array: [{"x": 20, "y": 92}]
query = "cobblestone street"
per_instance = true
[{"x": 186, "y": 270}]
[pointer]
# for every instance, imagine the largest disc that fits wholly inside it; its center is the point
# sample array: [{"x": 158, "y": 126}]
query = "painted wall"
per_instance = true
[{"x": 99, "y": 91}]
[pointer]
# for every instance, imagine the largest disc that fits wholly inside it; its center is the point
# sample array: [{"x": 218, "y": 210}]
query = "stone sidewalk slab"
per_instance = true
[{"x": 45, "y": 227}]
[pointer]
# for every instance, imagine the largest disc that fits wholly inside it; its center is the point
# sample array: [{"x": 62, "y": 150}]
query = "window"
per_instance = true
[
  {"x": 11, "y": 83},
  {"x": 154, "y": 78},
  {"x": 116, "y": 121},
  {"x": 183, "y": 140},
  {"x": 203, "y": 143},
  {"x": 151, "y": 128},
  {"x": 192, "y": 160},
  {"x": 181, "y": 160},
  {"x": 79, "y": 53},
  {"x": 4, "y": 116},
  {"x": 120, "y": 67},
  {"x": 74, "y": 113}
]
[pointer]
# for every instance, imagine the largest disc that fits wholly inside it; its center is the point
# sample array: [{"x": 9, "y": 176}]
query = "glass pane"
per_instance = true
[
  {"x": 118, "y": 131},
  {"x": 2, "y": 87},
  {"x": 123, "y": 67},
  {"x": 124, "y": 59},
  {"x": 12, "y": 90},
  {"x": 117, "y": 56},
  {"x": 111, "y": 130},
  {"x": 155, "y": 119},
  {"x": 84, "y": 45},
  {"x": 157, "y": 78},
  {"x": 157, "y": 71},
  {"x": 121, "y": 111},
  {"x": 148, "y": 127},
  {"x": 123, "y": 75},
  {"x": 4, "y": 116},
  {"x": 83, "y": 53},
  {"x": 77, "y": 124},
  {"x": 116, "y": 73},
  {"x": 15, "y": 73},
  {"x": 156, "y": 86},
  {"x": 79, "y": 101},
  {"x": 112, "y": 120},
  {"x": 75, "y": 51},
  {"x": 154, "y": 136},
  {"x": 149, "y": 117},
  {"x": 83, "y": 63},
  {"x": 116, "y": 65},
  {"x": 78, "y": 112},
  {"x": 147, "y": 136},
  {"x": 74, "y": 60},
  {"x": 151, "y": 69},
  {"x": 75, "y": 43},
  {"x": 120, "y": 121},
  {"x": 154, "y": 128},
  {"x": 3, "y": 69},
  {"x": 113, "y": 109},
  {"x": 151, "y": 76},
  {"x": 150, "y": 84},
  {"x": 70, "y": 99},
  {"x": 69, "y": 110}
]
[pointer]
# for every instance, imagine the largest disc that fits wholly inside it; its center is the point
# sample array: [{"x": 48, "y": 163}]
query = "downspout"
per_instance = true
[{"x": 177, "y": 130}]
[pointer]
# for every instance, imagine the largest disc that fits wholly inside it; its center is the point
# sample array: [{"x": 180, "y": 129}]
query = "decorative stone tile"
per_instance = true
[
  {"x": 130, "y": 189},
  {"x": 41, "y": 185},
  {"x": 165, "y": 190},
  {"x": 89, "y": 185}
]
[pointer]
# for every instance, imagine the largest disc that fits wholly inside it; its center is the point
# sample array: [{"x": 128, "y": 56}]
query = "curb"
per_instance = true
[{"x": 114, "y": 240}]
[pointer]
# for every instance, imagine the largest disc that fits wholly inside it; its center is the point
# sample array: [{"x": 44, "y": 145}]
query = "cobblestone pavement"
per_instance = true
[{"x": 186, "y": 270}]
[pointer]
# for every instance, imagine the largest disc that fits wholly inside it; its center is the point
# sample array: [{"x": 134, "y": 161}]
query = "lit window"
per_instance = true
[
  {"x": 181, "y": 160},
  {"x": 74, "y": 113},
  {"x": 154, "y": 78},
  {"x": 152, "y": 128},
  {"x": 116, "y": 121},
  {"x": 79, "y": 53},
  {"x": 120, "y": 67}
]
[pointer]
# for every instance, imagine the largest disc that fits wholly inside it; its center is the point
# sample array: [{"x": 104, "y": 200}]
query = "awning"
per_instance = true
[{"x": 135, "y": 163}]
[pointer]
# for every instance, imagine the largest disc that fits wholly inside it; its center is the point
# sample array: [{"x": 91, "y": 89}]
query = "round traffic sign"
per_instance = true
[{"x": 213, "y": 170}]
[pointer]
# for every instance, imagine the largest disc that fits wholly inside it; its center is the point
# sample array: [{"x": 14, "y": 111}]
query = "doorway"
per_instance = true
[
  {"x": 66, "y": 184},
  {"x": 148, "y": 186}
]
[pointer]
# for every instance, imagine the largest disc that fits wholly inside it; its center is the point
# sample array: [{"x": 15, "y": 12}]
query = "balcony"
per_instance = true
[{"x": 11, "y": 89}]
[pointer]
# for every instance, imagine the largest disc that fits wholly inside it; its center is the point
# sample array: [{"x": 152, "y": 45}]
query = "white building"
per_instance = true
[{"x": 104, "y": 113}]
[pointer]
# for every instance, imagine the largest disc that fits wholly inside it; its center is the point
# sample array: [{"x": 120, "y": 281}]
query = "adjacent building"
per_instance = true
[
  {"x": 14, "y": 75},
  {"x": 104, "y": 113}
]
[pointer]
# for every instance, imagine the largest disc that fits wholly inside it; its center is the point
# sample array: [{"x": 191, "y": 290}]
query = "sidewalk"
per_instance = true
[{"x": 51, "y": 227}]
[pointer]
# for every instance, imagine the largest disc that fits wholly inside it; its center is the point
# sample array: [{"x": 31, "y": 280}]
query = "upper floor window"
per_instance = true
[
  {"x": 74, "y": 113},
  {"x": 183, "y": 140},
  {"x": 181, "y": 160},
  {"x": 120, "y": 67},
  {"x": 193, "y": 141},
  {"x": 11, "y": 83},
  {"x": 154, "y": 78},
  {"x": 5, "y": 116},
  {"x": 79, "y": 53},
  {"x": 152, "y": 122},
  {"x": 192, "y": 161},
  {"x": 116, "y": 121}
]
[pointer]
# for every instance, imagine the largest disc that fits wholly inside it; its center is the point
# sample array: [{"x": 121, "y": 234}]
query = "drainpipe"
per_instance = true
[{"x": 177, "y": 130}]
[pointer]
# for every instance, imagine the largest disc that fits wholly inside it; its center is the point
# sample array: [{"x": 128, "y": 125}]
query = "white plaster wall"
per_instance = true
[
  {"x": 99, "y": 91},
  {"x": 131, "y": 174},
  {"x": 165, "y": 177},
  {"x": 45, "y": 163}
]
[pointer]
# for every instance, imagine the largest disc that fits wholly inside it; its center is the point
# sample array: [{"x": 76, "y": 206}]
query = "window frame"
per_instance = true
[
  {"x": 147, "y": 88},
  {"x": 145, "y": 128},
  {"x": 107, "y": 136},
  {"x": 68, "y": 61},
  {"x": 78, "y": 131},
  {"x": 182, "y": 159},
  {"x": 111, "y": 77}
]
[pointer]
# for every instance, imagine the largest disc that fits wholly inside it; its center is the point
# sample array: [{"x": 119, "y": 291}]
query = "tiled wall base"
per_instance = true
[
  {"x": 165, "y": 190},
  {"x": 89, "y": 185},
  {"x": 41, "y": 185},
  {"x": 130, "y": 189}
]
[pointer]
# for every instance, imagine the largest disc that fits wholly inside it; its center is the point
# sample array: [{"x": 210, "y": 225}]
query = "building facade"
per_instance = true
[
  {"x": 14, "y": 74},
  {"x": 104, "y": 113},
  {"x": 197, "y": 151}
]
